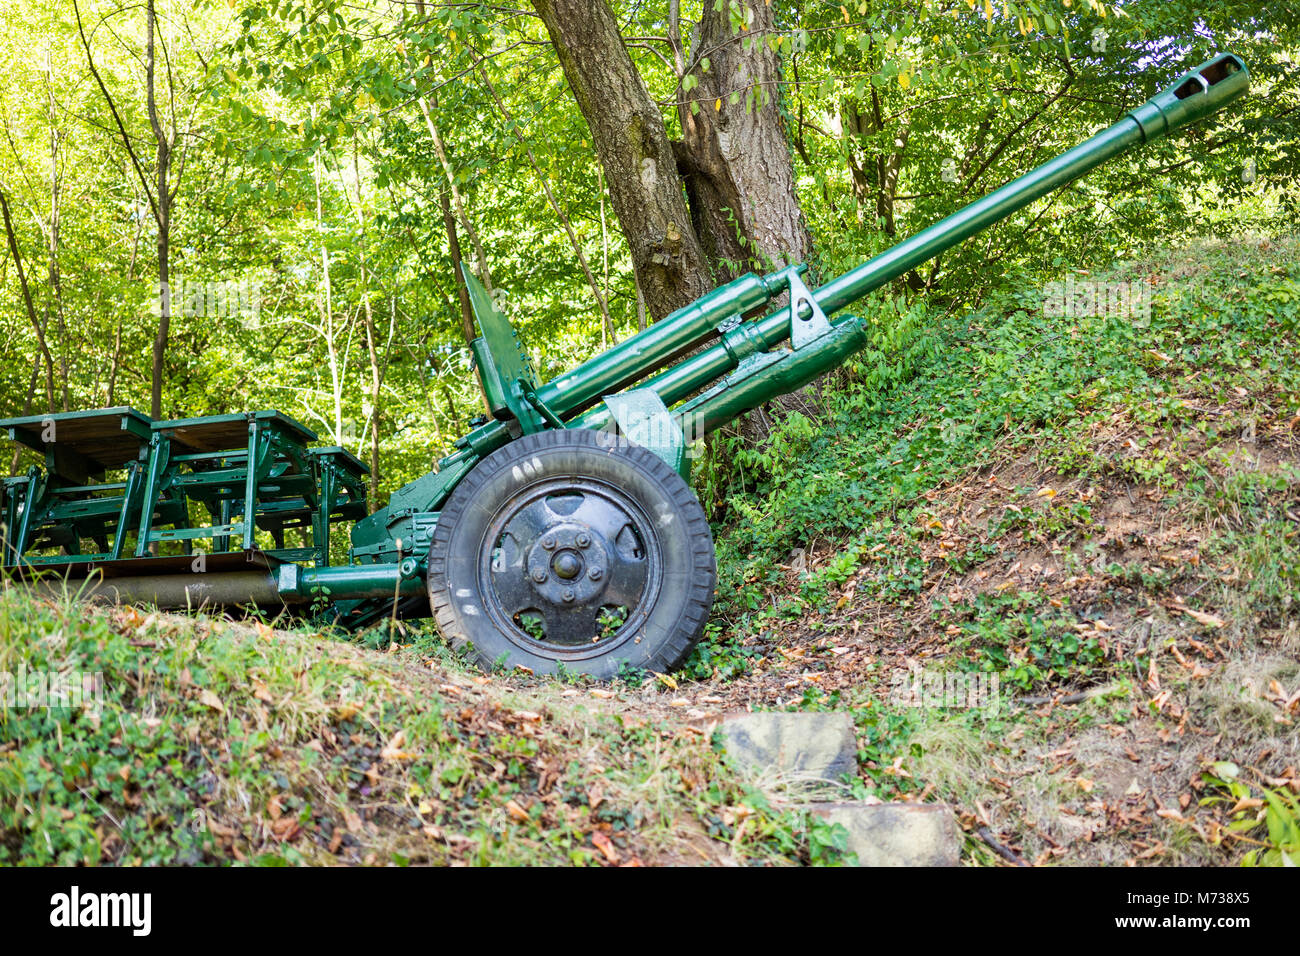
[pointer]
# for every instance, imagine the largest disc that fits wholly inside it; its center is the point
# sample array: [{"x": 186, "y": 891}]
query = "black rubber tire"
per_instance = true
[{"x": 672, "y": 623}]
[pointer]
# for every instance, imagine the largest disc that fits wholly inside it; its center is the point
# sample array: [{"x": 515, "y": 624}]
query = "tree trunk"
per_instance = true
[
  {"x": 733, "y": 164},
  {"x": 32, "y": 382},
  {"x": 337, "y": 361},
  {"x": 453, "y": 245},
  {"x": 632, "y": 143},
  {"x": 736, "y": 155},
  {"x": 875, "y": 176},
  {"x": 37, "y": 327},
  {"x": 376, "y": 385},
  {"x": 453, "y": 241},
  {"x": 164, "y": 216},
  {"x": 160, "y": 192},
  {"x": 116, "y": 363},
  {"x": 54, "y": 282},
  {"x": 607, "y": 325},
  {"x": 377, "y": 370}
]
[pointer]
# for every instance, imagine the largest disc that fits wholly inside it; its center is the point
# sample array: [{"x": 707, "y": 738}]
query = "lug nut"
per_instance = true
[
  {"x": 584, "y": 541},
  {"x": 548, "y": 543},
  {"x": 539, "y": 575},
  {"x": 568, "y": 594},
  {"x": 595, "y": 574}
]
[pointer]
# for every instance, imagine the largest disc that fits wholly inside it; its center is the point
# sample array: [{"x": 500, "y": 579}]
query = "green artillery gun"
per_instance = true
[{"x": 561, "y": 531}]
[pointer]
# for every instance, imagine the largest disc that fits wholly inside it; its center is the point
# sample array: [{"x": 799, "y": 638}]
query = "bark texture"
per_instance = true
[
  {"x": 736, "y": 155},
  {"x": 645, "y": 189},
  {"x": 722, "y": 200}
]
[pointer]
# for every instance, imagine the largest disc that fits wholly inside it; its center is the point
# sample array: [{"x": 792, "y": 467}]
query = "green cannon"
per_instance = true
[{"x": 561, "y": 532}]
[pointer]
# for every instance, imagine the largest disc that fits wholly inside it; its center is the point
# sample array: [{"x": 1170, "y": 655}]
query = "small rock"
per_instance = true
[
  {"x": 793, "y": 747},
  {"x": 897, "y": 834}
]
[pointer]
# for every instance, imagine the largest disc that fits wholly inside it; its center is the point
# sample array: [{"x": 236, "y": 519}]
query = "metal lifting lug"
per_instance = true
[{"x": 808, "y": 322}]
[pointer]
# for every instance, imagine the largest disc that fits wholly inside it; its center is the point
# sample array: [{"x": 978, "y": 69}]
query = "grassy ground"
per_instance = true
[
  {"x": 221, "y": 741},
  {"x": 1102, "y": 512}
]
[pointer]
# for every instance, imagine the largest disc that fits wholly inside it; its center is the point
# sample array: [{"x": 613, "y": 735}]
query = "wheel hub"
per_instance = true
[
  {"x": 571, "y": 566},
  {"x": 567, "y": 564}
]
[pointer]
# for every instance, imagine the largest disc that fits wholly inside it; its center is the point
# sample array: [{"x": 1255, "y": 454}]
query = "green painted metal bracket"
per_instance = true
[
  {"x": 159, "y": 453},
  {"x": 260, "y": 446},
  {"x": 25, "y": 496},
  {"x": 504, "y": 369},
  {"x": 808, "y": 322},
  {"x": 539, "y": 406},
  {"x": 375, "y": 538},
  {"x": 12, "y": 492},
  {"x": 644, "y": 419},
  {"x": 130, "y": 506},
  {"x": 353, "y": 581},
  {"x": 338, "y": 471}
]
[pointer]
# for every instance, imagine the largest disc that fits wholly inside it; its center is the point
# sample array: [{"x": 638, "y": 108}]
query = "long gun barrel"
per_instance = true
[{"x": 1194, "y": 96}]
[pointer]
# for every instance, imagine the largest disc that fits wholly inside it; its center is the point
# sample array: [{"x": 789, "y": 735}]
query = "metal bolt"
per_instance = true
[
  {"x": 584, "y": 541},
  {"x": 568, "y": 594},
  {"x": 539, "y": 575},
  {"x": 548, "y": 543},
  {"x": 595, "y": 574}
]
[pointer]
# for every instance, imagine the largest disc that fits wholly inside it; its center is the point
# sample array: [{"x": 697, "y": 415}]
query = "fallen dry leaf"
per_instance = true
[
  {"x": 1200, "y": 617},
  {"x": 285, "y": 829},
  {"x": 394, "y": 751},
  {"x": 669, "y": 682},
  {"x": 1247, "y": 803},
  {"x": 606, "y": 846}
]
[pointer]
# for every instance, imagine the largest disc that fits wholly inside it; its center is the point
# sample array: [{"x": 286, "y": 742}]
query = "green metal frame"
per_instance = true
[
  {"x": 173, "y": 470},
  {"x": 69, "y": 501}
]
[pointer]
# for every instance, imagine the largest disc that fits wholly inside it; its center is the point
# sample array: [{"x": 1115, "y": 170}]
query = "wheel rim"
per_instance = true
[{"x": 570, "y": 568}]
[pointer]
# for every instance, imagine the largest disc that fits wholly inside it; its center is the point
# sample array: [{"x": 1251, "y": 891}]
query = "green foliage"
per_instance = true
[
  {"x": 1014, "y": 637},
  {"x": 1275, "y": 825},
  {"x": 884, "y": 736},
  {"x": 719, "y": 655},
  {"x": 1260, "y": 538},
  {"x": 828, "y": 844},
  {"x": 214, "y": 743},
  {"x": 75, "y": 775}
]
